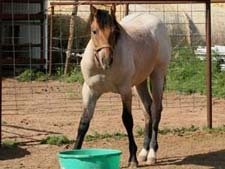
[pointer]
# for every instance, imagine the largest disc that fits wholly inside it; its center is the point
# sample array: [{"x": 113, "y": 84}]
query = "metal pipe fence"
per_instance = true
[{"x": 189, "y": 26}]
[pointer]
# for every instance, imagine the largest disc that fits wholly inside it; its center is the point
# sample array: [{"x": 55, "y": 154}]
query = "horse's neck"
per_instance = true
[{"x": 88, "y": 60}]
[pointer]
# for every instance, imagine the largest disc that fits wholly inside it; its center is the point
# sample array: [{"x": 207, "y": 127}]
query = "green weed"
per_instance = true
[
  {"x": 187, "y": 74},
  {"x": 10, "y": 144},
  {"x": 214, "y": 130},
  {"x": 166, "y": 130},
  {"x": 41, "y": 76},
  {"x": 140, "y": 131},
  {"x": 73, "y": 76},
  {"x": 56, "y": 140},
  {"x": 98, "y": 136},
  {"x": 3, "y": 122},
  {"x": 27, "y": 75},
  {"x": 30, "y": 75},
  {"x": 179, "y": 131},
  {"x": 174, "y": 131}
]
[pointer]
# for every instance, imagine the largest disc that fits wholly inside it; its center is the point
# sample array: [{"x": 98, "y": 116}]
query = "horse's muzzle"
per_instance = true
[{"x": 104, "y": 57}]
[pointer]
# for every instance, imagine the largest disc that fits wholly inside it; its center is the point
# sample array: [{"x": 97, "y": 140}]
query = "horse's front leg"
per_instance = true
[
  {"x": 90, "y": 98},
  {"x": 128, "y": 123}
]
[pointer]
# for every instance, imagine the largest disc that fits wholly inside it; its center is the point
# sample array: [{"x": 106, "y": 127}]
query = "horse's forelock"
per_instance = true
[{"x": 104, "y": 19}]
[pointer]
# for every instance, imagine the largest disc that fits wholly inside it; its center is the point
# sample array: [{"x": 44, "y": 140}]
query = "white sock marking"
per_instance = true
[
  {"x": 152, "y": 153},
  {"x": 143, "y": 153}
]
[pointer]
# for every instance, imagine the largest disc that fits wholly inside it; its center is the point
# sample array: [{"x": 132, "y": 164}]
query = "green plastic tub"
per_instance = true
[{"x": 90, "y": 159}]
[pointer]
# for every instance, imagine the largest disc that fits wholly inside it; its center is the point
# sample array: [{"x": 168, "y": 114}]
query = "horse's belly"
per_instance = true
[
  {"x": 145, "y": 59},
  {"x": 141, "y": 74}
]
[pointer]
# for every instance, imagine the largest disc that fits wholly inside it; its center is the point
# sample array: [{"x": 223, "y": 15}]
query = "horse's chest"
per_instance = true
[{"x": 100, "y": 83}]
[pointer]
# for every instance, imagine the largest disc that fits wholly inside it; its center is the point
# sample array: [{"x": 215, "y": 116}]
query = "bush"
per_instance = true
[
  {"x": 30, "y": 75},
  {"x": 187, "y": 74},
  {"x": 27, "y": 75},
  {"x": 74, "y": 75}
]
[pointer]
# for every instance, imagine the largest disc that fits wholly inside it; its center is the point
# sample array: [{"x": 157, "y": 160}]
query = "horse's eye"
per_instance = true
[{"x": 94, "y": 32}]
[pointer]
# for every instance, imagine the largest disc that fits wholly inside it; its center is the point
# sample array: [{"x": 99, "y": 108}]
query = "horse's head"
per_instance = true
[{"x": 104, "y": 34}]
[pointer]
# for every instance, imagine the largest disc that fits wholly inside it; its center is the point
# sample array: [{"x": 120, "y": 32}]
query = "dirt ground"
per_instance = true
[{"x": 33, "y": 111}]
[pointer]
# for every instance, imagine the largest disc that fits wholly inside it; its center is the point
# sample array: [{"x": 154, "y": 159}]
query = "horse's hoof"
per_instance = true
[
  {"x": 143, "y": 155},
  {"x": 142, "y": 158},
  {"x": 151, "y": 161},
  {"x": 133, "y": 165}
]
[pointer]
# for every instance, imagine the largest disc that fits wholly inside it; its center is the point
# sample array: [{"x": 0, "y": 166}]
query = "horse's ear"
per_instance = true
[
  {"x": 93, "y": 10},
  {"x": 113, "y": 10}
]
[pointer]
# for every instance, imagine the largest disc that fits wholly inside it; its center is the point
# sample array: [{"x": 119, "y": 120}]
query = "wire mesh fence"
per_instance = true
[{"x": 27, "y": 87}]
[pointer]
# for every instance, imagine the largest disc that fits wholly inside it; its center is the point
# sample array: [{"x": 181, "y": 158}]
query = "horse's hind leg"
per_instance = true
[
  {"x": 157, "y": 83},
  {"x": 89, "y": 102},
  {"x": 128, "y": 123},
  {"x": 146, "y": 101}
]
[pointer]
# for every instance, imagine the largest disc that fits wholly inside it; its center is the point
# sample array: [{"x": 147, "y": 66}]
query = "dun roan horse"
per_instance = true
[{"x": 118, "y": 57}]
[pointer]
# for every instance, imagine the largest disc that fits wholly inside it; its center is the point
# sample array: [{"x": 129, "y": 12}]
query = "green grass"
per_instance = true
[
  {"x": 98, "y": 136},
  {"x": 30, "y": 75},
  {"x": 56, "y": 140},
  {"x": 187, "y": 74},
  {"x": 164, "y": 131},
  {"x": 74, "y": 75},
  {"x": 139, "y": 131},
  {"x": 174, "y": 131},
  {"x": 10, "y": 144},
  {"x": 183, "y": 130},
  {"x": 179, "y": 131},
  {"x": 3, "y": 122},
  {"x": 215, "y": 129}
]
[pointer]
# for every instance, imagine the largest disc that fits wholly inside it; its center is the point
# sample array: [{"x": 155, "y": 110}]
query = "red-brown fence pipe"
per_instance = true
[
  {"x": 1, "y": 81},
  {"x": 86, "y": 2},
  {"x": 209, "y": 64},
  {"x": 126, "y": 9},
  {"x": 51, "y": 41},
  {"x": 1, "y": 122},
  {"x": 0, "y": 100}
]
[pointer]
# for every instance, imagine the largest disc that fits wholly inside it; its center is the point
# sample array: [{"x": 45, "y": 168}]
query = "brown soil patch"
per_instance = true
[{"x": 33, "y": 111}]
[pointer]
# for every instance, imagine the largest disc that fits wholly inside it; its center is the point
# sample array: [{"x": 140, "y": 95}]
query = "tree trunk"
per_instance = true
[{"x": 71, "y": 37}]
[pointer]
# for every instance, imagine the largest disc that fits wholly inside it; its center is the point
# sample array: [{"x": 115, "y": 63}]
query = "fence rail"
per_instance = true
[{"x": 127, "y": 3}]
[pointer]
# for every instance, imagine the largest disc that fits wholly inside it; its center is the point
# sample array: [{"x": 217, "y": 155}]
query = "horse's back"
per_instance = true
[
  {"x": 149, "y": 26},
  {"x": 150, "y": 44},
  {"x": 140, "y": 21}
]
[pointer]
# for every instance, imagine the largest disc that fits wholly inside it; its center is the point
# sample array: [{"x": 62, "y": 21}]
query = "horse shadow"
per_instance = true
[
  {"x": 7, "y": 153},
  {"x": 213, "y": 160}
]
